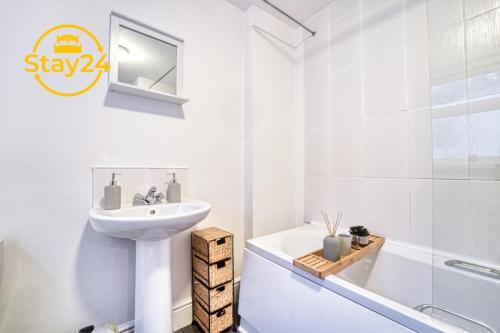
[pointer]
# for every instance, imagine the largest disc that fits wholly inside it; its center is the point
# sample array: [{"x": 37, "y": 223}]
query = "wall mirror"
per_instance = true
[{"x": 145, "y": 61}]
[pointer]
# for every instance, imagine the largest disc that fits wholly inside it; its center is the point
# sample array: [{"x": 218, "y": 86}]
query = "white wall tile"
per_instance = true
[
  {"x": 484, "y": 137},
  {"x": 452, "y": 230},
  {"x": 383, "y": 27},
  {"x": 449, "y": 92},
  {"x": 418, "y": 74},
  {"x": 318, "y": 151},
  {"x": 447, "y": 54},
  {"x": 484, "y": 84},
  {"x": 316, "y": 91},
  {"x": 443, "y": 13},
  {"x": 347, "y": 194},
  {"x": 485, "y": 197},
  {"x": 386, "y": 205},
  {"x": 347, "y": 149},
  {"x": 386, "y": 146},
  {"x": 483, "y": 46},
  {"x": 340, "y": 8},
  {"x": 420, "y": 140},
  {"x": 476, "y": 7},
  {"x": 345, "y": 41},
  {"x": 317, "y": 196},
  {"x": 347, "y": 94},
  {"x": 416, "y": 19},
  {"x": 385, "y": 86},
  {"x": 316, "y": 101},
  {"x": 421, "y": 212},
  {"x": 450, "y": 145}
]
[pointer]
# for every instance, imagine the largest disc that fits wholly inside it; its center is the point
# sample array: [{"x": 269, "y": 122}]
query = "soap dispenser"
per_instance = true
[
  {"x": 173, "y": 190},
  {"x": 112, "y": 194}
]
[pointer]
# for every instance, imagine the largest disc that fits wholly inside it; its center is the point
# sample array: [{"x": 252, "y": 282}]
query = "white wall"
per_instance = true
[
  {"x": 367, "y": 117},
  {"x": 271, "y": 124},
  {"x": 57, "y": 274}
]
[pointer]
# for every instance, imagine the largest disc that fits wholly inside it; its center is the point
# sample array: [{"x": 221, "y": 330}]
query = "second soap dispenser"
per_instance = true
[
  {"x": 173, "y": 190},
  {"x": 112, "y": 194}
]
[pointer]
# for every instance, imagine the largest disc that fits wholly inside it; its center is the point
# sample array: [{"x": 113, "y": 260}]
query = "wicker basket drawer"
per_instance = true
[
  {"x": 212, "y": 244},
  {"x": 212, "y": 275},
  {"x": 215, "y": 322},
  {"x": 213, "y": 299}
]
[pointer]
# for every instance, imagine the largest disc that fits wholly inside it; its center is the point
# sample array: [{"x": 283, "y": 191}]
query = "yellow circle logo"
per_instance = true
[{"x": 67, "y": 60}]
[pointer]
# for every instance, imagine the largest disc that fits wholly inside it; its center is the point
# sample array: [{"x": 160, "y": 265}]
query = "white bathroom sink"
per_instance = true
[
  {"x": 154, "y": 222},
  {"x": 151, "y": 227}
]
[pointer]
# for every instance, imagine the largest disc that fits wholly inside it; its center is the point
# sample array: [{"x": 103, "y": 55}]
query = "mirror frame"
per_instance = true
[{"x": 117, "y": 20}]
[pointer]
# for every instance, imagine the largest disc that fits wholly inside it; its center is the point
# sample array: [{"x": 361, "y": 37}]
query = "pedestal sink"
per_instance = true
[{"x": 151, "y": 227}]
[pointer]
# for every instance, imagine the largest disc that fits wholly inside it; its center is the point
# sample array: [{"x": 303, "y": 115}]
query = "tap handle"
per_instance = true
[
  {"x": 151, "y": 192},
  {"x": 159, "y": 197}
]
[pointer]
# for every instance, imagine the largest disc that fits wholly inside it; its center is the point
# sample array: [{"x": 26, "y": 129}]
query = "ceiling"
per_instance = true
[{"x": 299, "y": 9}]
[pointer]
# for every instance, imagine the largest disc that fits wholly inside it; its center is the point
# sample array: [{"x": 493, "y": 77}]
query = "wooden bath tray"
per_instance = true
[{"x": 318, "y": 266}]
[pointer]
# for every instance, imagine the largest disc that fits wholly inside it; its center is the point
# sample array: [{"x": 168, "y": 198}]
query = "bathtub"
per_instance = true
[{"x": 376, "y": 295}]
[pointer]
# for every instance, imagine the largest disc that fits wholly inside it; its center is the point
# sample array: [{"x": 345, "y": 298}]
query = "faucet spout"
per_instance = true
[{"x": 151, "y": 198}]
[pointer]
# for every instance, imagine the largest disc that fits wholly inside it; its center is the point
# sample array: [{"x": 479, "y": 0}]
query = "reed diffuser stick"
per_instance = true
[
  {"x": 327, "y": 222},
  {"x": 337, "y": 223}
]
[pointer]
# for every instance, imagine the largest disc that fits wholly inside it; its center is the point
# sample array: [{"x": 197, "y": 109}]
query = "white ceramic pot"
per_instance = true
[{"x": 345, "y": 245}]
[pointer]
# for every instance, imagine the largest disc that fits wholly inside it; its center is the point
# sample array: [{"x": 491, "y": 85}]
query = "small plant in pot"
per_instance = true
[{"x": 359, "y": 235}]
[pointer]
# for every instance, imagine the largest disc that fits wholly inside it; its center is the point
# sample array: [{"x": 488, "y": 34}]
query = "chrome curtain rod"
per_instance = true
[{"x": 290, "y": 17}]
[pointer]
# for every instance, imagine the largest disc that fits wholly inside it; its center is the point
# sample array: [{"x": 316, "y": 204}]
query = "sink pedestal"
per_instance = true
[{"x": 153, "y": 293}]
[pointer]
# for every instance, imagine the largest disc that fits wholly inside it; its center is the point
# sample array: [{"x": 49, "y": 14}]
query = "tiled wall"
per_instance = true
[
  {"x": 371, "y": 126},
  {"x": 367, "y": 117},
  {"x": 464, "y": 40}
]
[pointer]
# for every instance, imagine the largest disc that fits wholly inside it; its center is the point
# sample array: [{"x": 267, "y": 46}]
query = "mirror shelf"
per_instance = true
[{"x": 133, "y": 90}]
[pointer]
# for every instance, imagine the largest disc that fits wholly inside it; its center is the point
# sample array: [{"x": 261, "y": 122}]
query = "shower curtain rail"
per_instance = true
[{"x": 289, "y": 16}]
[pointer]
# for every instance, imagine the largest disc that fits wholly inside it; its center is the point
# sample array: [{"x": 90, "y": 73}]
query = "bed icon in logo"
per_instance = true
[{"x": 68, "y": 44}]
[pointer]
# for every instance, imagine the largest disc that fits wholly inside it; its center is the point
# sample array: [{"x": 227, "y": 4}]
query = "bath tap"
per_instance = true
[{"x": 151, "y": 198}]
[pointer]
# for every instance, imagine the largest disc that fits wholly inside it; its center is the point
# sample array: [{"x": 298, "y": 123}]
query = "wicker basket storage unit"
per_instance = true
[
  {"x": 212, "y": 244},
  {"x": 213, "y": 270}
]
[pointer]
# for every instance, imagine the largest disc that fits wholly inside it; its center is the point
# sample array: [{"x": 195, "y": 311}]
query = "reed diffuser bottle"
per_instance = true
[{"x": 332, "y": 246}]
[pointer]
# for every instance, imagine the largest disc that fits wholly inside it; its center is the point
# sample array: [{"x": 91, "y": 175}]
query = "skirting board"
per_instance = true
[{"x": 182, "y": 313}]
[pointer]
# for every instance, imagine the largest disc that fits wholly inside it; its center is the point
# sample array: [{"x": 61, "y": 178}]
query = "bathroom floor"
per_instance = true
[{"x": 190, "y": 329}]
